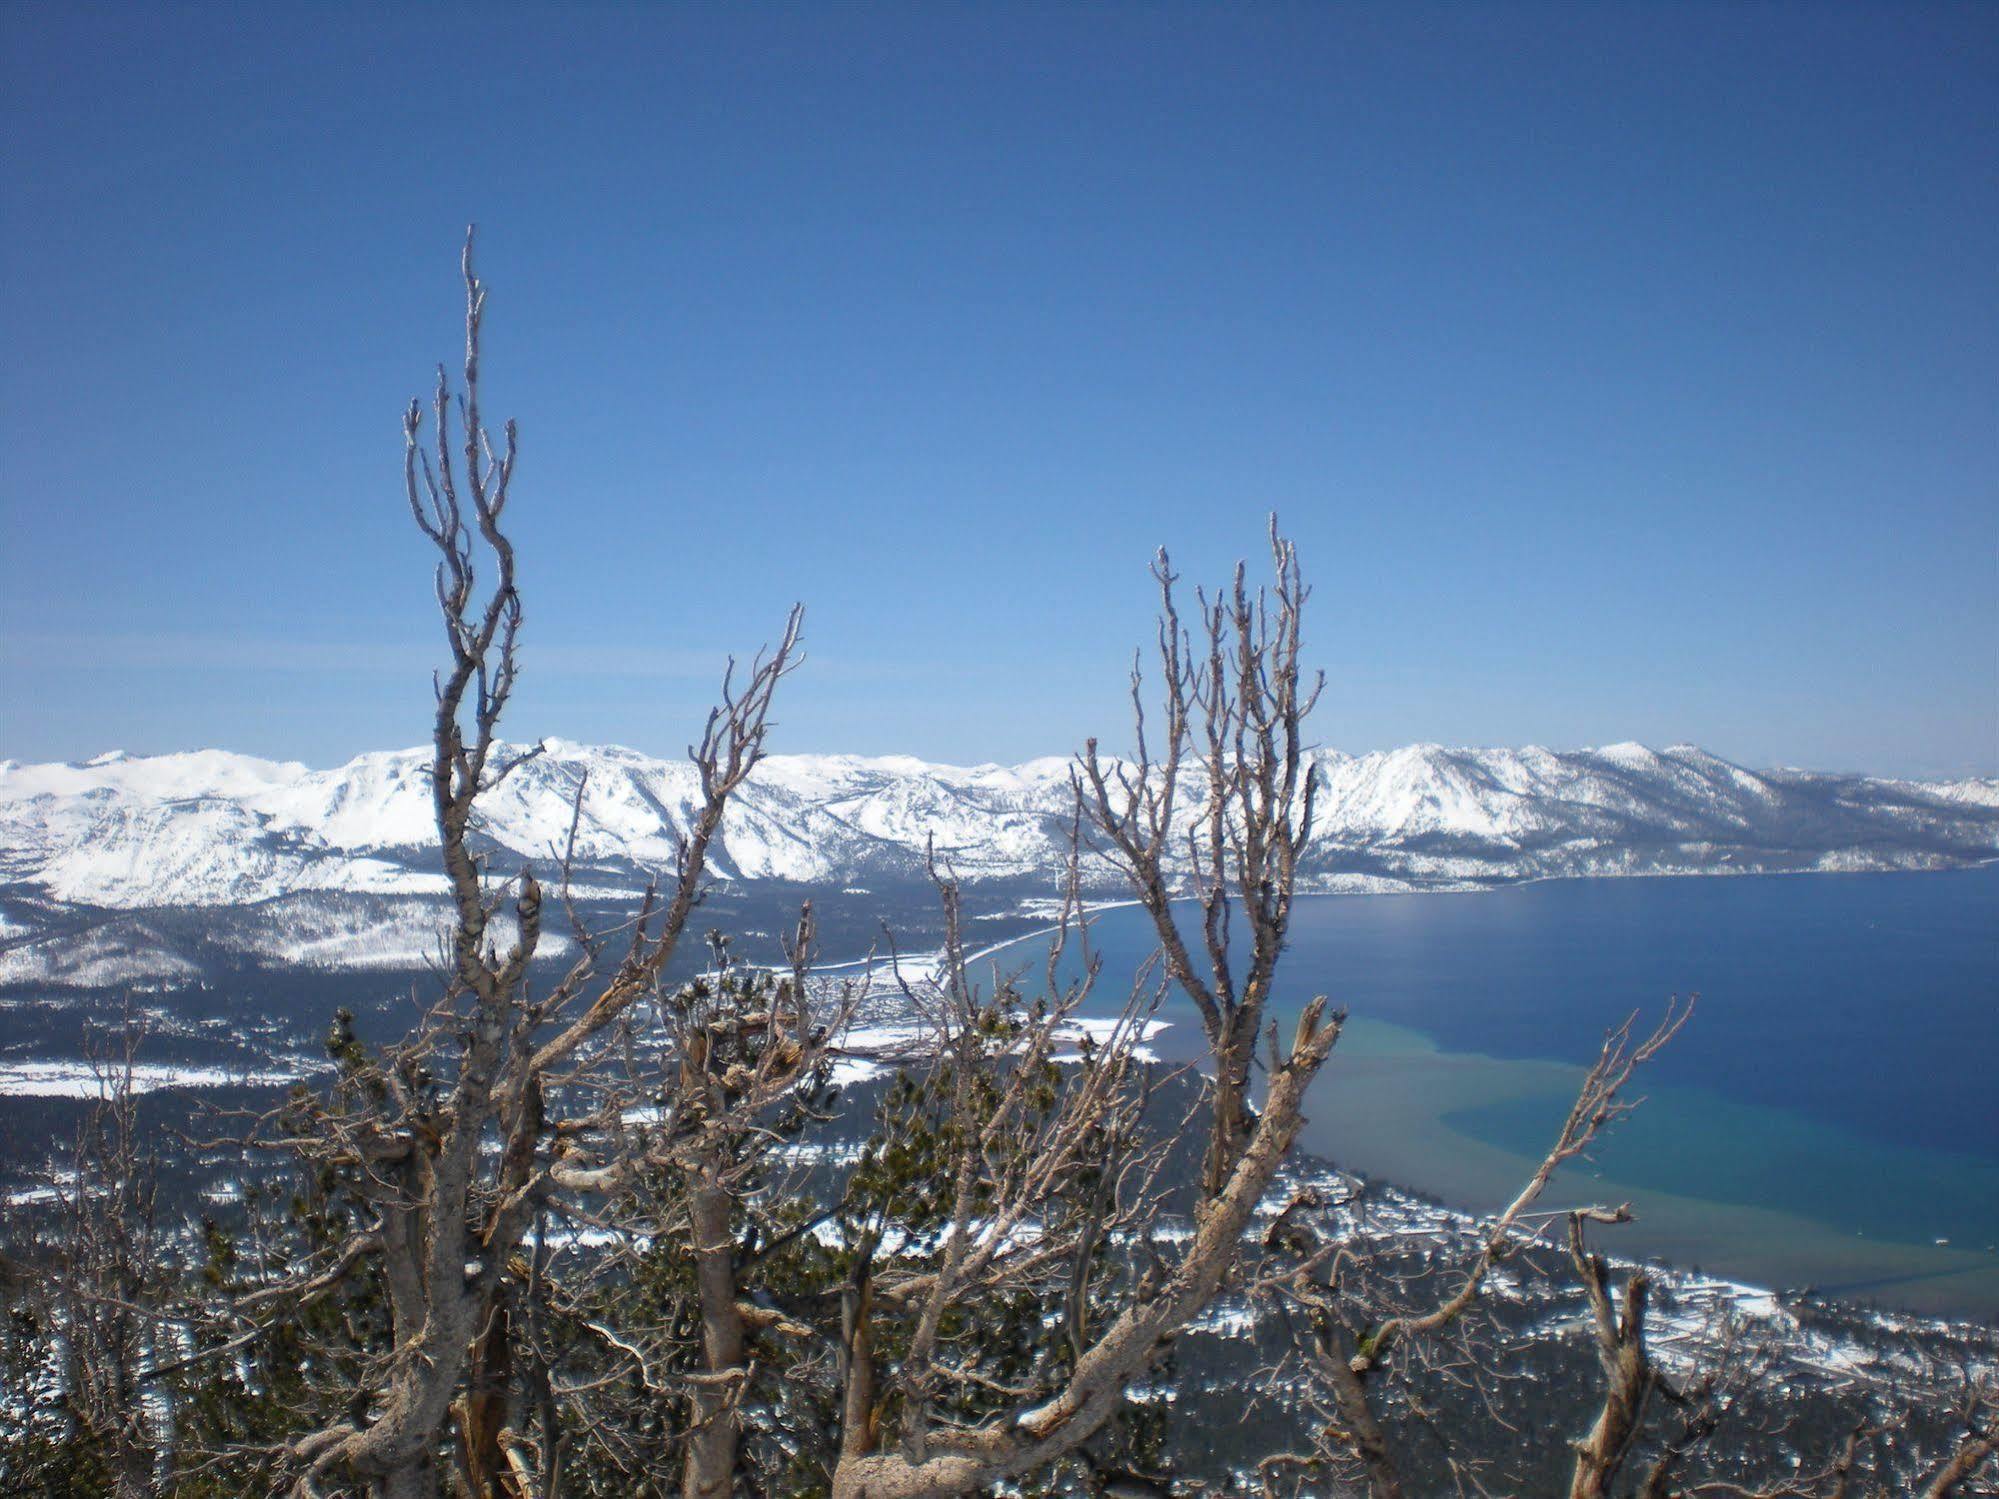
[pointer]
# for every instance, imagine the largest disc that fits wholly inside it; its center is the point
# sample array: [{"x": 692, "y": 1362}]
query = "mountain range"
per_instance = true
[{"x": 211, "y": 828}]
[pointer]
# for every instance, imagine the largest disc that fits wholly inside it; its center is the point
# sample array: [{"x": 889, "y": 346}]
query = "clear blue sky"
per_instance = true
[{"x": 1623, "y": 372}]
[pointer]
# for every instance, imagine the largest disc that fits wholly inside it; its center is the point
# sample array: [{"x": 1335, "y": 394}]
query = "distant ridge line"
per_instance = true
[{"x": 210, "y": 827}]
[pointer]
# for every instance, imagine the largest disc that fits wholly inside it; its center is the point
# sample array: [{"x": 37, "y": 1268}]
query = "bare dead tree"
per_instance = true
[
  {"x": 732, "y": 1069},
  {"x": 1035, "y": 1165},
  {"x": 738, "y": 1063},
  {"x": 1234, "y": 712},
  {"x": 1352, "y": 1337},
  {"x": 1235, "y": 722},
  {"x": 453, "y": 1140},
  {"x": 1629, "y": 1378},
  {"x": 1631, "y": 1381},
  {"x": 998, "y": 1177},
  {"x": 450, "y": 1136}
]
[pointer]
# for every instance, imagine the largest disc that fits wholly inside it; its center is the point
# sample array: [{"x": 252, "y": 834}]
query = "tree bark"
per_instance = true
[
  {"x": 482, "y": 1413},
  {"x": 711, "y": 1444},
  {"x": 1365, "y": 1438},
  {"x": 1966, "y": 1461},
  {"x": 417, "y": 1480},
  {"x": 1620, "y": 1340}
]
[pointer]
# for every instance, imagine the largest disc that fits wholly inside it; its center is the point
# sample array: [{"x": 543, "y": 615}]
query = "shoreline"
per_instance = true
[
  {"x": 1093, "y": 908},
  {"x": 1390, "y": 1117}
]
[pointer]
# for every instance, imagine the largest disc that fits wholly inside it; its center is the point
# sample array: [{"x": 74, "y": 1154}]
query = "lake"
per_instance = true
[{"x": 1829, "y": 1117}]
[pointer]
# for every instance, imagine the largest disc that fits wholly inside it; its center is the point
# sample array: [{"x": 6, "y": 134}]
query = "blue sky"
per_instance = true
[{"x": 1622, "y": 372}]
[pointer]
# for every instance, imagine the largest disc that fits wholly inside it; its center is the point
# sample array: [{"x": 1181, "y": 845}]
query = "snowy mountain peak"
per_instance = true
[{"x": 208, "y": 827}]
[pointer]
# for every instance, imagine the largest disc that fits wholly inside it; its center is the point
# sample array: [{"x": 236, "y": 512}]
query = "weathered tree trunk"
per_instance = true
[
  {"x": 857, "y": 1364},
  {"x": 416, "y": 1480},
  {"x": 482, "y": 1412},
  {"x": 451, "y": 1222},
  {"x": 1234, "y": 1120},
  {"x": 1620, "y": 1346},
  {"x": 711, "y": 1444},
  {"x": 1365, "y": 1438}
]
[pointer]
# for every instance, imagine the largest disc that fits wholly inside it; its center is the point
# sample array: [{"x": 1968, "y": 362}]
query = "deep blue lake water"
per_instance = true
[
  {"x": 1842, "y": 1064},
  {"x": 1868, "y": 1001}
]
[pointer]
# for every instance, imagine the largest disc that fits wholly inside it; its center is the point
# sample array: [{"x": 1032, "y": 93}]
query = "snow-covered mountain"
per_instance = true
[{"x": 211, "y": 828}]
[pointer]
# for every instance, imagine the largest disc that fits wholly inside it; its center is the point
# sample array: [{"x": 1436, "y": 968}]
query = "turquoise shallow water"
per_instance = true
[
  {"x": 1839, "y": 1070},
  {"x": 1693, "y": 1143}
]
